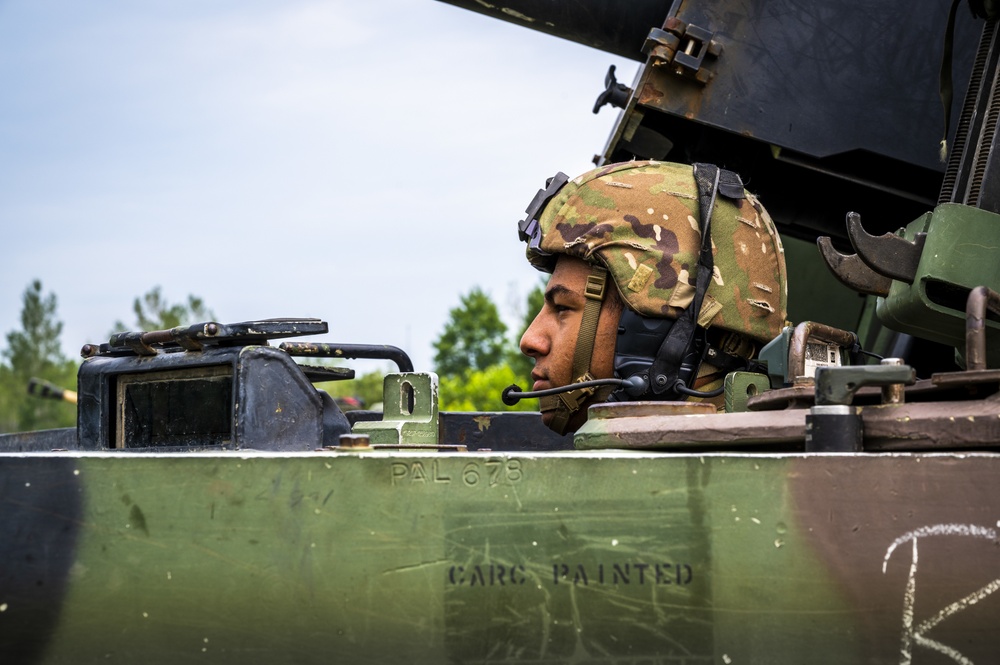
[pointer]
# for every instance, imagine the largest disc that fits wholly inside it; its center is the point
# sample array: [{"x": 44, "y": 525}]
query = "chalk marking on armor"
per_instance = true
[
  {"x": 909, "y": 598},
  {"x": 917, "y": 635},
  {"x": 940, "y": 530},
  {"x": 959, "y": 605},
  {"x": 954, "y": 654}
]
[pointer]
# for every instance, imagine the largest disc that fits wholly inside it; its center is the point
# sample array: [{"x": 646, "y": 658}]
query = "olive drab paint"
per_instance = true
[
  {"x": 679, "y": 537},
  {"x": 600, "y": 557}
]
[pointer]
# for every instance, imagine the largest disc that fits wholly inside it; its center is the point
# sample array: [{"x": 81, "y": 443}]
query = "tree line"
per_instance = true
[{"x": 475, "y": 357}]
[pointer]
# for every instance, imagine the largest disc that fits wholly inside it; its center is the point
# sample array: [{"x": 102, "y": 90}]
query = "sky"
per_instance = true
[{"x": 364, "y": 163}]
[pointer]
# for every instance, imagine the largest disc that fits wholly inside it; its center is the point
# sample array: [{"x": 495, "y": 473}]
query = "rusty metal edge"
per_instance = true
[{"x": 695, "y": 431}]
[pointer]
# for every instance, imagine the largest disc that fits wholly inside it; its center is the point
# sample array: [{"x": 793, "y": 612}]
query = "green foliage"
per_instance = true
[
  {"x": 153, "y": 312},
  {"x": 34, "y": 351},
  {"x": 475, "y": 360},
  {"x": 473, "y": 337},
  {"x": 479, "y": 390}
]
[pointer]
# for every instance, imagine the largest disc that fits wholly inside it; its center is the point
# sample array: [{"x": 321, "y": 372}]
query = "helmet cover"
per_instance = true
[{"x": 640, "y": 220}]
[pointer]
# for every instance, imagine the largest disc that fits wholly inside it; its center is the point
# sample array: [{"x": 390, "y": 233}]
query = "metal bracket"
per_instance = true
[
  {"x": 741, "y": 386},
  {"x": 696, "y": 43},
  {"x": 410, "y": 411},
  {"x": 852, "y": 272},
  {"x": 195, "y": 337},
  {"x": 889, "y": 254},
  {"x": 683, "y": 48},
  {"x": 879, "y": 259},
  {"x": 837, "y": 385},
  {"x": 834, "y": 424}
]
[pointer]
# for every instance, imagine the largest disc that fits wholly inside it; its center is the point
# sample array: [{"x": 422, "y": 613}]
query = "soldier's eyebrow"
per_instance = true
[{"x": 559, "y": 290}]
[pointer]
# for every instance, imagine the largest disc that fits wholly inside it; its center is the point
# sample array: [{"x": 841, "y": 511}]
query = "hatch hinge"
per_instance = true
[{"x": 683, "y": 48}]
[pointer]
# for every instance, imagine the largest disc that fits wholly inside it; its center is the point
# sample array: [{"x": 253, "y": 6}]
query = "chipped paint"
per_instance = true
[{"x": 516, "y": 14}]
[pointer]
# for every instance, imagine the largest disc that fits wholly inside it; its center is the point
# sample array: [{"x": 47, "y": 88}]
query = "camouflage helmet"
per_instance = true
[{"x": 640, "y": 221}]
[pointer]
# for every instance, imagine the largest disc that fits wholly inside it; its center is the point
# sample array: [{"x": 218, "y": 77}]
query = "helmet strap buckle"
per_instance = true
[{"x": 568, "y": 403}]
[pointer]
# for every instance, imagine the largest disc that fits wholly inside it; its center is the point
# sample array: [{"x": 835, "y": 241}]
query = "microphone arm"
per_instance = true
[
  {"x": 512, "y": 394},
  {"x": 634, "y": 386}
]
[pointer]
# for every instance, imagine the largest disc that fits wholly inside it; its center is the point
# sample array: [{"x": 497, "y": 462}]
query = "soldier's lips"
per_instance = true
[{"x": 541, "y": 383}]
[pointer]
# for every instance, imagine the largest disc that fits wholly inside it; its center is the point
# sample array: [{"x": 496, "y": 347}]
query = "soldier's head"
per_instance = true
[{"x": 636, "y": 295}]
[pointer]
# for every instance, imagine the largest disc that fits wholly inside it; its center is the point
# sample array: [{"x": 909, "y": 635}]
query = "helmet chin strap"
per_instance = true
[
  {"x": 665, "y": 372},
  {"x": 568, "y": 403}
]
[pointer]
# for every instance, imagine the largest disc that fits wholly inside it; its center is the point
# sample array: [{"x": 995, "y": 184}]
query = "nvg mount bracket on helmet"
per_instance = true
[{"x": 528, "y": 229}]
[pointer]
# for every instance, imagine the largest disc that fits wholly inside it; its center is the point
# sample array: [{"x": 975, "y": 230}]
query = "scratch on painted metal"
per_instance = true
[
  {"x": 516, "y": 14},
  {"x": 416, "y": 566},
  {"x": 517, "y": 497}
]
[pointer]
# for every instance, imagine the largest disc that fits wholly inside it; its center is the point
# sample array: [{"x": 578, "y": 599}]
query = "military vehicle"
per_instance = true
[{"x": 213, "y": 506}]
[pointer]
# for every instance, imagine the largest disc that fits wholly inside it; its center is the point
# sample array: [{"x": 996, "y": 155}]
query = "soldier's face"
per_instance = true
[{"x": 551, "y": 337}]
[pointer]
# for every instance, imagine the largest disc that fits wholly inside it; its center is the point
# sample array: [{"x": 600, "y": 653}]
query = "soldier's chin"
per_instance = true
[
  {"x": 575, "y": 422},
  {"x": 549, "y": 416}
]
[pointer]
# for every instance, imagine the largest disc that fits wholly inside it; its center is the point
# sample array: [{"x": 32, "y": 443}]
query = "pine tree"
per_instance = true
[
  {"x": 153, "y": 312},
  {"x": 34, "y": 351}
]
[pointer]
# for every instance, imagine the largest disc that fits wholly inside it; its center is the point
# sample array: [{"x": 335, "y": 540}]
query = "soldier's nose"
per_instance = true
[{"x": 533, "y": 342}]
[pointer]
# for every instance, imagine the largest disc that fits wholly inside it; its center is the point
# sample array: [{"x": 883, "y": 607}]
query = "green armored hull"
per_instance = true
[
  {"x": 602, "y": 557},
  {"x": 212, "y": 506}
]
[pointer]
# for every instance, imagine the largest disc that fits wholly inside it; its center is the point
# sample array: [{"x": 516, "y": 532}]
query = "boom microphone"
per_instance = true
[{"x": 512, "y": 394}]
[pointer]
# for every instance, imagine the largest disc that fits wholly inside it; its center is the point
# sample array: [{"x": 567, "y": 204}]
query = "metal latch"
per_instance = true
[
  {"x": 834, "y": 424},
  {"x": 684, "y": 48}
]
